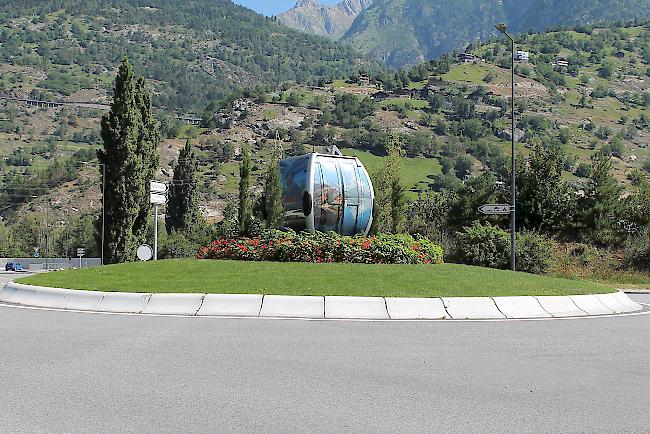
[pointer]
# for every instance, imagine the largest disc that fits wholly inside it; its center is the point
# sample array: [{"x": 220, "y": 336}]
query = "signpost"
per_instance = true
[
  {"x": 495, "y": 209},
  {"x": 157, "y": 197},
  {"x": 81, "y": 252}
]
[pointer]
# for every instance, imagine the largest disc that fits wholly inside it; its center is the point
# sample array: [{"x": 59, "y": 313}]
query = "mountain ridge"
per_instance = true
[
  {"x": 404, "y": 32},
  {"x": 324, "y": 20}
]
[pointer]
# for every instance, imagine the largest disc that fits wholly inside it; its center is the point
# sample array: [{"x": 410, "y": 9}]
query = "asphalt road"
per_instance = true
[{"x": 83, "y": 372}]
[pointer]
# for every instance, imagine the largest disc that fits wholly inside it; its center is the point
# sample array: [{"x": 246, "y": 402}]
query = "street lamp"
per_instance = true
[{"x": 513, "y": 201}]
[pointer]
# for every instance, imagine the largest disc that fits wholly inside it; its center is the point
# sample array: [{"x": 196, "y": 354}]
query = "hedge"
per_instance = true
[{"x": 325, "y": 247}]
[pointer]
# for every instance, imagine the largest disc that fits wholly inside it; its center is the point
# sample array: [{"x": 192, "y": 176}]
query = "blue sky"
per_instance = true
[{"x": 273, "y": 7}]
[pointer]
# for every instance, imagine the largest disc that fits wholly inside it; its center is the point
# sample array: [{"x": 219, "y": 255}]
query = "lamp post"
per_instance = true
[{"x": 513, "y": 200}]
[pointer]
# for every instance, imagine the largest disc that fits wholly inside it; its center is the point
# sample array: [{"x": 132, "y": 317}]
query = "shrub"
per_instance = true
[
  {"x": 177, "y": 245},
  {"x": 485, "y": 245},
  {"x": 534, "y": 253},
  {"x": 325, "y": 247},
  {"x": 637, "y": 251}
]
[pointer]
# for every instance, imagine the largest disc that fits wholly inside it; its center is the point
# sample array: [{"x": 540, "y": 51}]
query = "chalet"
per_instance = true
[
  {"x": 522, "y": 56},
  {"x": 380, "y": 96},
  {"x": 364, "y": 80},
  {"x": 467, "y": 58},
  {"x": 190, "y": 120},
  {"x": 561, "y": 63}
]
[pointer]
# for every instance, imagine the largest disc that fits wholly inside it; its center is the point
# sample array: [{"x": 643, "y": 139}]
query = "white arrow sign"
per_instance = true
[
  {"x": 158, "y": 199},
  {"x": 499, "y": 209},
  {"x": 158, "y": 187}
]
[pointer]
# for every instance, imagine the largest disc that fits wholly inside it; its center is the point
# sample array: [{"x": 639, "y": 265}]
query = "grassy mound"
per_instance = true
[{"x": 235, "y": 277}]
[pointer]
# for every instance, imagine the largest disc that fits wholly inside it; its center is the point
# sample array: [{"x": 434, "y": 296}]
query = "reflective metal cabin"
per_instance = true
[{"x": 322, "y": 192}]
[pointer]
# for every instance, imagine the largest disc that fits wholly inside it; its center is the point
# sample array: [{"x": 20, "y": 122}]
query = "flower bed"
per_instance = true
[{"x": 325, "y": 247}]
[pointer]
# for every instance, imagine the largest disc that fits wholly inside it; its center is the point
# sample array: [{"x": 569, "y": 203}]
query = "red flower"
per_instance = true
[{"x": 366, "y": 244}]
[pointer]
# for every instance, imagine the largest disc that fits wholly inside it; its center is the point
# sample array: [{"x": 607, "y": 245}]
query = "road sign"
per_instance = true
[
  {"x": 145, "y": 252},
  {"x": 498, "y": 209},
  {"x": 158, "y": 199},
  {"x": 81, "y": 252},
  {"x": 158, "y": 187}
]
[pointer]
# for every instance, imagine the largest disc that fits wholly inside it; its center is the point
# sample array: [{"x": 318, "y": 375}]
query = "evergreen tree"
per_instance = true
[
  {"x": 398, "y": 205},
  {"x": 245, "y": 202},
  {"x": 600, "y": 206},
  {"x": 390, "y": 204},
  {"x": 543, "y": 198},
  {"x": 126, "y": 171},
  {"x": 183, "y": 212},
  {"x": 147, "y": 149},
  {"x": 273, "y": 197}
]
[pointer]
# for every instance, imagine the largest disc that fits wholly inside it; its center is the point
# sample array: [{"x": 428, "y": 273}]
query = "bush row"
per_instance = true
[{"x": 325, "y": 247}]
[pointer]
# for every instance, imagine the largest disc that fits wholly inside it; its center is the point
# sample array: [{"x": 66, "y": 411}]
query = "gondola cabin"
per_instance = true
[{"x": 323, "y": 192}]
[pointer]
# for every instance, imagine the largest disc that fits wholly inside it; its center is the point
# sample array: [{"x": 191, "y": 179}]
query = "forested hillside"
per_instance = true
[
  {"x": 401, "y": 32},
  {"x": 192, "y": 51}
]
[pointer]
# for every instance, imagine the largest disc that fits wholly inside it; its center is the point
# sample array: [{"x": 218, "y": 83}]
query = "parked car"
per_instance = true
[{"x": 13, "y": 266}]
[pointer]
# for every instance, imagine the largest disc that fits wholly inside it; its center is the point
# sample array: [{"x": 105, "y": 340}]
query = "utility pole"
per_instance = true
[
  {"x": 513, "y": 199},
  {"x": 103, "y": 206},
  {"x": 155, "y": 232},
  {"x": 47, "y": 233}
]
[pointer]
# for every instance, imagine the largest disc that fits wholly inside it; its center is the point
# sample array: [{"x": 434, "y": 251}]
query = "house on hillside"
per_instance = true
[
  {"x": 467, "y": 58},
  {"x": 522, "y": 56},
  {"x": 380, "y": 96},
  {"x": 364, "y": 80},
  {"x": 561, "y": 62}
]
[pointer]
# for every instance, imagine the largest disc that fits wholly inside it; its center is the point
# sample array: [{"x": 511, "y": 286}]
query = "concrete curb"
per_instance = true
[
  {"x": 560, "y": 307},
  {"x": 356, "y": 308},
  {"x": 174, "y": 304},
  {"x": 416, "y": 308},
  {"x": 312, "y": 307},
  {"x": 123, "y": 302},
  {"x": 520, "y": 307},
  {"x": 591, "y": 304},
  {"x": 288, "y": 306},
  {"x": 472, "y": 308},
  {"x": 231, "y": 305}
]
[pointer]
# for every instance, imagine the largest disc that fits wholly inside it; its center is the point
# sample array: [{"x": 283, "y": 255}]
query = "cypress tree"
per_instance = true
[
  {"x": 245, "y": 203},
  {"x": 398, "y": 204},
  {"x": 390, "y": 202},
  {"x": 147, "y": 149},
  {"x": 183, "y": 212},
  {"x": 273, "y": 197},
  {"x": 129, "y": 156}
]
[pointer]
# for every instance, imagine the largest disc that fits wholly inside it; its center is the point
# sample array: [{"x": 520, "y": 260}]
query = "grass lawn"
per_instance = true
[
  {"x": 233, "y": 277},
  {"x": 415, "y": 171}
]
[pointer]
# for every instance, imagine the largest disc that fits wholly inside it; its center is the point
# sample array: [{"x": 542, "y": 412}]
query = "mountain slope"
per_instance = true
[
  {"x": 401, "y": 32},
  {"x": 332, "y": 21},
  {"x": 193, "y": 51}
]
